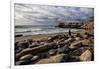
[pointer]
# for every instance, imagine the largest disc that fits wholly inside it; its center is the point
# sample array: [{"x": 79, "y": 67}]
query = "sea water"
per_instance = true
[{"x": 40, "y": 29}]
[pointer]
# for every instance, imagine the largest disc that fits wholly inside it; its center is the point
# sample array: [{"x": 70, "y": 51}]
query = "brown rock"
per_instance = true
[
  {"x": 26, "y": 57},
  {"x": 34, "y": 58},
  {"x": 75, "y": 45},
  {"x": 54, "y": 59},
  {"x": 86, "y": 56},
  {"x": 52, "y": 52}
]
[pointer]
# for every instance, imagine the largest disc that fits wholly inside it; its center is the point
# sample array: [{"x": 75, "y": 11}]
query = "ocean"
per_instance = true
[{"x": 40, "y": 29}]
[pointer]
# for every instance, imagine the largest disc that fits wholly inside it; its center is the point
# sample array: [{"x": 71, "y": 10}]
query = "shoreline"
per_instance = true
[{"x": 41, "y": 36}]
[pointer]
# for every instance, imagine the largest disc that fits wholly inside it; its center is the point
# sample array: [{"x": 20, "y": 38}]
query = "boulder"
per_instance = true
[
  {"x": 79, "y": 51},
  {"x": 26, "y": 57},
  {"x": 54, "y": 59},
  {"x": 75, "y": 45},
  {"x": 23, "y": 44},
  {"x": 69, "y": 40},
  {"x": 86, "y": 42},
  {"x": 24, "y": 62},
  {"x": 34, "y": 44},
  {"x": 34, "y": 58},
  {"x": 36, "y": 49},
  {"x": 52, "y": 52},
  {"x": 86, "y": 56}
]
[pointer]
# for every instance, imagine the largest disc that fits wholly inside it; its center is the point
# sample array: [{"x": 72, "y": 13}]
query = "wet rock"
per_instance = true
[
  {"x": 26, "y": 57},
  {"x": 52, "y": 52},
  {"x": 86, "y": 56}
]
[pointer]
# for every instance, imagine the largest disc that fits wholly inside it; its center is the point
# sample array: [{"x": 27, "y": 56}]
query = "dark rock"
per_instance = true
[
  {"x": 18, "y": 35},
  {"x": 79, "y": 51},
  {"x": 23, "y": 44},
  {"x": 44, "y": 55},
  {"x": 24, "y": 62},
  {"x": 35, "y": 44},
  {"x": 53, "y": 38},
  {"x": 30, "y": 41},
  {"x": 18, "y": 50}
]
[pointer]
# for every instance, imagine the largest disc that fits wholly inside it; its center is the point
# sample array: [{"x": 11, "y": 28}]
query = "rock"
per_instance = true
[
  {"x": 75, "y": 45},
  {"x": 18, "y": 35},
  {"x": 36, "y": 49},
  {"x": 30, "y": 41},
  {"x": 74, "y": 59},
  {"x": 23, "y": 52},
  {"x": 44, "y": 55},
  {"x": 26, "y": 57},
  {"x": 79, "y": 51},
  {"x": 77, "y": 38},
  {"x": 86, "y": 42},
  {"x": 24, "y": 62},
  {"x": 34, "y": 58},
  {"x": 69, "y": 40},
  {"x": 86, "y": 56},
  {"x": 53, "y": 37},
  {"x": 65, "y": 50},
  {"x": 54, "y": 59},
  {"x": 18, "y": 50},
  {"x": 52, "y": 52},
  {"x": 23, "y": 44},
  {"x": 34, "y": 44}
]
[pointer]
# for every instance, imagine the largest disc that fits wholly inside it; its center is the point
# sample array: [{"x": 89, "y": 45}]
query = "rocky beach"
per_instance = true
[
  {"x": 55, "y": 48},
  {"x": 46, "y": 34}
]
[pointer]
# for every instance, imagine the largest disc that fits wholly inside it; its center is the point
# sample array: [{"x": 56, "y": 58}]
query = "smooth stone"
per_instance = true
[
  {"x": 75, "y": 45},
  {"x": 86, "y": 56},
  {"x": 52, "y": 52},
  {"x": 34, "y": 58},
  {"x": 68, "y": 40},
  {"x": 77, "y": 38},
  {"x": 26, "y": 57}
]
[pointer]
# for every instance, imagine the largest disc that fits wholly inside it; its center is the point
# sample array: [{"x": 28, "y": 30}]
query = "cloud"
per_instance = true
[{"x": 28, "y": 14}]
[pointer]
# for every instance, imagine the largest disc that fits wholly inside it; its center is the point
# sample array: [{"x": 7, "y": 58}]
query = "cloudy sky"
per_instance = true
[{"x": 28, "y": 14}]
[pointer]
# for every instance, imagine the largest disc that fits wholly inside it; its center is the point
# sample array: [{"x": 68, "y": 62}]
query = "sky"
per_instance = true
[{"x": 32, "y": 14}]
